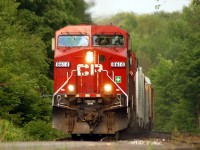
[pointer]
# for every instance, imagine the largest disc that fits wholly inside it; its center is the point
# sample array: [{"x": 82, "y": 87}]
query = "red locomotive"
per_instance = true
[{"x": 98, "y": 87}]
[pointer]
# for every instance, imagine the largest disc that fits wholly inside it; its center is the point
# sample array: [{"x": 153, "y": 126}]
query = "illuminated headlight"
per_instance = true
[
  {"x": 71, "y": 88},
  {"x": 107, "y": 88},
  {"x": 89, "y": 57}
]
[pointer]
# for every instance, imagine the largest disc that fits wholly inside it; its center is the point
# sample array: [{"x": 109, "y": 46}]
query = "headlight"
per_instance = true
[
  {"x": 71, "y": 88},
  {"x": 89, "y": 57},
  {"x": 107, "y": 87}
]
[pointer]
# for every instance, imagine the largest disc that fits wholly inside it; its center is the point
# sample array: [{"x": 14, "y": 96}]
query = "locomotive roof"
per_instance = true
[{"x": 91, "y": 29}]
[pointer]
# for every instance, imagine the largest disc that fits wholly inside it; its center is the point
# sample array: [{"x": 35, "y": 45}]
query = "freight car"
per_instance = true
[{"x": 98, "y": 86}]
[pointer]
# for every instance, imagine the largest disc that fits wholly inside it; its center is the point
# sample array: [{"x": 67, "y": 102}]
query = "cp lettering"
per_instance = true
[{"x": 86, "y": 70}]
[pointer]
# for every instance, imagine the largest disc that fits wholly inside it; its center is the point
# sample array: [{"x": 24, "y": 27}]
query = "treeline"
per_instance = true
[
  {"x": 26, "y": 29},
  {"x": 168, "y": 48}
]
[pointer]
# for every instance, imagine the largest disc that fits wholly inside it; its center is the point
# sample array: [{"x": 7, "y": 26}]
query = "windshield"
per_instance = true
[
  {"x": 73, "y": 40},
  {"x": 108, "y": 40}
]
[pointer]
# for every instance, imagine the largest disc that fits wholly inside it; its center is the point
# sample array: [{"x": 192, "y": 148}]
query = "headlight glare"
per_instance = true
[
  {"x": 107, "y": 87},
  {"x": 89, "y": 57},
  {"x": 71, "y": 88}
]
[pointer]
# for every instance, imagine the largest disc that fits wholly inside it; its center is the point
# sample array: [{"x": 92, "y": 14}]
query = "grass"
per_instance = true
[{"x": 9, "y": 132}]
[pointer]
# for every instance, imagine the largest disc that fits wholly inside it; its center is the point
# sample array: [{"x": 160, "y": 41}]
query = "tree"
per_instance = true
[
  {"x": 23, "y": 65},
  {"x": 188, "y": 66},
  {"x": 184, "y": 76},
  {"x": 165, "y": 98}
]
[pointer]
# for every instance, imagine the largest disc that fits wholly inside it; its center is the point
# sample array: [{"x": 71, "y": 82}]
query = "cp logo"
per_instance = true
[{"x": 86, "y": 70}]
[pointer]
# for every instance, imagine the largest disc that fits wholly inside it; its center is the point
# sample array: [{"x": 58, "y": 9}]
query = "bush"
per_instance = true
[
  {"x": 40, "y": 130},
  {"x": 9, "y": 132}
]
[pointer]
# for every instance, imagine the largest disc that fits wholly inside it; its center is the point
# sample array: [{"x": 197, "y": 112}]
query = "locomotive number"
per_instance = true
[
  {"x": 86, "y": 70},
  {"x": 62, "y": 64},
  {"x": 117, "y": 64}
]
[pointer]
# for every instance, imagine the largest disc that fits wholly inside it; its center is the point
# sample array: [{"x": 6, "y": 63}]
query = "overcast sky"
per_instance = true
[{"x": 111, "y": 7}]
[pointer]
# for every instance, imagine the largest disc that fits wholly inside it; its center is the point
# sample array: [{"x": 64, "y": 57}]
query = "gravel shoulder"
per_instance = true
[{"x": 86, "y": 145}]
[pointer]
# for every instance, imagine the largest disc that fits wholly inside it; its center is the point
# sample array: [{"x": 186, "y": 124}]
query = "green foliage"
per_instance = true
[
  {"x": 127, "y": 21},
  {"x": 9, "y": 132},
  {"x": 182, "y": 117},
  {"x": 184, "y": 77},
  {"x": 161, "y": 77},
  {"x": 23, "y": 70},
  {"x": 32, "y": 131},
  {"x": 40, "y": 130}
]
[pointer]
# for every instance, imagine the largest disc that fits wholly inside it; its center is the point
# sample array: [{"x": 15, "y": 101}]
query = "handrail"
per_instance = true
[{"x": 64, "y": 83}]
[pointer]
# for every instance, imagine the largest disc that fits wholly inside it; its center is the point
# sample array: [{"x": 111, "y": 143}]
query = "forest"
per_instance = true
[{"x": 167, "y": 46}]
